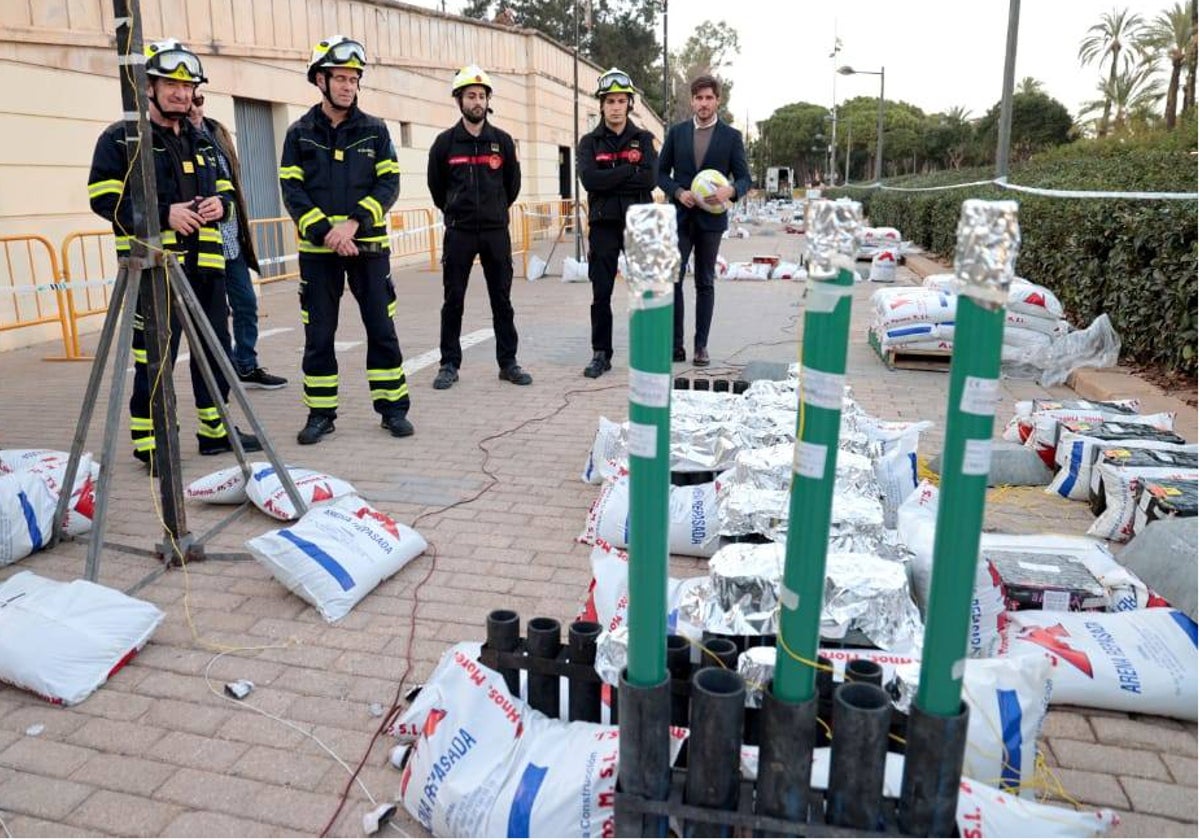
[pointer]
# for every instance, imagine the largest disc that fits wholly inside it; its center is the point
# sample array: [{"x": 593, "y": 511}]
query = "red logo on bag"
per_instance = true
[
  {"x": 432, "y": 721},
  {"x": 1055, "y": 639},
  {"x": 322, "y": 493},
  {"x": 495, "y": 161},
  {"x": 404, "y": 780},
  {"x": 383, "y": 519}
]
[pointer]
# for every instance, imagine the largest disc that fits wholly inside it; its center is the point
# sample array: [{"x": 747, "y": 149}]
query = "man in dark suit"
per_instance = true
[{"x": 703, "y": 142}]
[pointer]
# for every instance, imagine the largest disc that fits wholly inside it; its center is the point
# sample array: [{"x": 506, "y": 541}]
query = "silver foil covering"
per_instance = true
[
  {"x": 985, "y": 257},
  {"x": 865, "y": 596},
  {"x": 612, "y": 647},
  {"x": 834, "y": 234},
  {"x": 757, "y": 667},
  {"x": 651, "y": 255},
  {"x": 905, "y": 685}
]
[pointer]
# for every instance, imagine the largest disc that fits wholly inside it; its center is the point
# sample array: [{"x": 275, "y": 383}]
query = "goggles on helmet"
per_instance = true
[
  {"x": 176, "y": 64},
  {"x": 614, "y": 82},
  {"x": 346, "y": 53}
]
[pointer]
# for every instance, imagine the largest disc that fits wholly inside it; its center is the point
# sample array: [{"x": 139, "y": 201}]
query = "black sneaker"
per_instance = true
[
  {"x": 447, "y": 375},
  {"x": 680, "y": 355},
  {"x": 397, "y": 424},
  {"x": 317, "y": 426},
  {"x": 514, "y": 374},
  {"x": 597, "y": 365},
  {"x": 259, "y": 378},
  {"x": 216, "y": 446},
  {"x": 701, "y": 358}
]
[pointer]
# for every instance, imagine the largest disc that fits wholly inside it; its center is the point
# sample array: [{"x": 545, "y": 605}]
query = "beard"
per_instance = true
[{"x": 473, "y": 117}]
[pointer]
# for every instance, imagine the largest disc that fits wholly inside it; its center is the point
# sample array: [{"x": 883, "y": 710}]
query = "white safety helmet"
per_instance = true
[
  {"x": 337, "y": 51},
  {"x": 470, "y": 75}
]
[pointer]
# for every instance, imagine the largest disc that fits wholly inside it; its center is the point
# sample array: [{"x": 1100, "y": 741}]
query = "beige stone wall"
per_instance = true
[{"x": 58, "y": 90}]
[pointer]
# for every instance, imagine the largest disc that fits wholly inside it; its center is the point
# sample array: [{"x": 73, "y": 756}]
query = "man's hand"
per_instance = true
[
  {"x": 723, "y": 194},
  {"x": 210, "y": 209},
  {"x": 183, "y": 219},
  {"x": 687, "y": 198},
  {"x": 340, "y": 238}
]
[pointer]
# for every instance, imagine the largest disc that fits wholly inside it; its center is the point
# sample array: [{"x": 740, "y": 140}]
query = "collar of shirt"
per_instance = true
[{"x": 696, "y": 123}]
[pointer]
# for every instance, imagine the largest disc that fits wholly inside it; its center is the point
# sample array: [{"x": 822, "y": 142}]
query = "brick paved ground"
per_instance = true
[{"x": 156, "y": 752}]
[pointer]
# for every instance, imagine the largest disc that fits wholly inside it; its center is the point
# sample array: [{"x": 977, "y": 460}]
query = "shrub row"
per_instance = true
[{"x": 1135, "y": 260}]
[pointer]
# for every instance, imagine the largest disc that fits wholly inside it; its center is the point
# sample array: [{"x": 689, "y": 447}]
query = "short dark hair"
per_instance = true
[{"x": 701, "y": 82}]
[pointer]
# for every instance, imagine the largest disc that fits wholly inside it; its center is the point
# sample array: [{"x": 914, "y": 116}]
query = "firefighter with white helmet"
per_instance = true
[
  {"x": 474, "y": 177},
  {"x": 339, "y": 176},
  {"x": 617, "y": 166}
]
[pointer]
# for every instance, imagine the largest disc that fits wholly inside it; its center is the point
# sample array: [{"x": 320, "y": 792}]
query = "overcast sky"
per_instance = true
[{"x": 937, "y": 53}]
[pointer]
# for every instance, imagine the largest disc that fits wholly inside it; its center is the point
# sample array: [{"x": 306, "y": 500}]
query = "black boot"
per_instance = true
[
  {"x": 317, "y": 427},
  {"x": 597, "y": 365}
]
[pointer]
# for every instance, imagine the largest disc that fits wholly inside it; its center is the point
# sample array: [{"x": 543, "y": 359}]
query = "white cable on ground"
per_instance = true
[
  {"x": 1043, "y": 191},
  {"x": 4, "y": 828}
]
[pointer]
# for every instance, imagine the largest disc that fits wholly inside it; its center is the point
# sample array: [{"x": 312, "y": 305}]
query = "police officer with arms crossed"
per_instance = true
[
  {"x": 617, "y": 165},
  {"x": 193, "y": 198},
  {"x": 339, "y": 176},
  {"x": 474, "y": 177}
]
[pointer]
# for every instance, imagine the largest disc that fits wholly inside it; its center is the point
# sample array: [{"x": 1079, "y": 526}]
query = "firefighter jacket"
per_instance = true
[
  {"x": 617, "y": 170},
  {"x": 332, "y": 173},
  {"x": 474, "y": 180},
  {"x": 185, "y": 167}
]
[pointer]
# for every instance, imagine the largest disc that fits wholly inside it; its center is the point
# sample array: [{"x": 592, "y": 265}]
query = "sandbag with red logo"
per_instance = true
[
  {"x": 223, "y": 487},
  {"x": 1138, "y": 661},
  {"x": 30, "y": 485},
  {"x": 316, "y": 488},
  {"x": 336, "y": 554}
]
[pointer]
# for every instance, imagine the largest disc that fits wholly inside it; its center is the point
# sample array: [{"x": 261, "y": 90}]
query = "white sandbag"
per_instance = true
[
  {"x": 748, "y": 271},
  {"x": 784, "y": 270},
  {"x": 722, "y": 266},
  {"x": 607, "y": 600},
  {"x": 608, "y": 452},
  {"x": 883, "y": 268},
  {"x": 26, "y": 515},
  {"x": 1007, "y": 699},
  {"x": 336, "y": 554},
  {"x": 913, "y": 305},
  {"x": 1020, "y": 426},
  {"x": 12, "y": 460},
  {"x": 938, "y": 346},
  {"x": 942, "y": 283},
  {"x": 574, "y": 271},
  {"x": 982, "y": 811},
  {"x": 62, "y": 641},
  {"x": 1043, "y": 438},
  {"x": 484, "y": 764},
  {"x": 896, "y": 467},
  {"x": 693, "y": 524},
  {"x": 890, "y": 337},
  {"x": 536, "y": 268},
  {"x": 1140, "y": 661},
  {"x": 50, "y": 466},
  {"x": 1075, "y": 455},
  {"x": 1034, "y": 323},
  {"x": 1030, "y": 298},
  {"x": 1020, "y": 337},
  {"x": 223, "y": 487},
  {"x": 316, "y": 488},
  {"x": 1115, "y": 523},
  {"x": 876, "y": 236}
]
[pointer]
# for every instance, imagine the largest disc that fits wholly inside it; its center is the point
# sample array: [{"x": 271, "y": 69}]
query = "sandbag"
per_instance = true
[
  {"x": 1121, "y": 485},
  {"x": 1033, "y": 323},
  {"x": 607, "y": 452},
  {"x": 336, "y": 554},
  {"x": 1020, "y": 427},
  {"x": 316, "y": 488},
  {"x": 693, "y": 526},
  {"x": 62, "y": 641},
  {"x": 913, "y": 305},
  {"x": 1076, "y": 451},
  {"x": 574, "y": 271},
  {"x": 883, "y": 268},
  {"x": 26, "y": 515},
  {"x": 890, "y": 337},
  {"x": 1026, "y": 297},
  {"x": 1134, "y": 456},
  {"x": 1141, "y": 661},
  {"x": 223, "y": 487},
  {"x": 1021, "y": 337}
]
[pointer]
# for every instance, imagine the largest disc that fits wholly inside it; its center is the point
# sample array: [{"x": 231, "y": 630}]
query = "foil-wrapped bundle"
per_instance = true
[
  {"x": 612, "y": 648},
  {"x": 856, "y": 475},
  {"x": 765, "y": 468},
  {"x": 743, "y": 509},
  {"x": 757, "y": 667},
  {"x": 703, "y": 445},
  {"x": 985, "y": 255},
  {"x": 871, "y": 596}
]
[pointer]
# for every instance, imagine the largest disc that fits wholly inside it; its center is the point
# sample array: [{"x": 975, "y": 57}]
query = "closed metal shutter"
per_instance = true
[{"x": 259, "y": 156}]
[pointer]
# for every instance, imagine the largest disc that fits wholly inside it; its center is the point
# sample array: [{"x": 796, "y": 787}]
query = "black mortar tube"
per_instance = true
[
  {"x": 715, "y": 745},
  {"x": 583, "y": 696},
  {"x": 504, "y": 634},
  {"x": 786, "y": 740},
  {"x": 644, "y": 755},
  {"x": 864, "y": 670},
  {"x": 544, "y": 642},
  {"x": 725, "y": 651},
  {"x": 862, "y": 715},
  {"x": 932, "y": 773},
  {"x": 679, "y": 665}
]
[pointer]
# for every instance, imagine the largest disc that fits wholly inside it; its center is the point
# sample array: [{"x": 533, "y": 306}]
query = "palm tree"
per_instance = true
[
  {"x": 1170, "y": 34},
  {"x": 1030, "y": 85},
  {"x": 1114, "y": 34},
  {"x": 1189, "y": 87},
  {"x": 1134, "y": 91}
]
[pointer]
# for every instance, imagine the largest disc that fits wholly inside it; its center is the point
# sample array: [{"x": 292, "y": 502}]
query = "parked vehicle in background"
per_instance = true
[{"x": 779, "y": 182}]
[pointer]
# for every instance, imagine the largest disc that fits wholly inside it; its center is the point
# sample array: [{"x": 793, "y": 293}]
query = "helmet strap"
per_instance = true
[
  {"x": 175, "y": 116},
  {"x": 473, "y": 120},
  {"x": 328, "y": 74}
]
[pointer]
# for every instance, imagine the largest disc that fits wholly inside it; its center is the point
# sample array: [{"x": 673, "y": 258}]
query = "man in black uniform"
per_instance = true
[
  {"x": 474, "y": 177},
  {"x": 617, "y": 165},
  {"x": 192, "y": 199},
  {"x": 339, "y": 177}
]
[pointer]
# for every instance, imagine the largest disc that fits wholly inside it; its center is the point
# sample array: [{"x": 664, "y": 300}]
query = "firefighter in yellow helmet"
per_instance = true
[
  {"x": 339, "y": 178},
  {"x": 617, "y": 166},
  {"x": 193, "y": 198},
  {"x": 474, "y": 177}
]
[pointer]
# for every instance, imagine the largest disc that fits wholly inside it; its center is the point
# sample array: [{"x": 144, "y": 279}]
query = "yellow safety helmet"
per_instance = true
[
  {"x": 169, "y": 59},
  {"x": 470, "y": 75},
  {"x": 337, "y": 51},
  {"x": 614, "y": 81}
]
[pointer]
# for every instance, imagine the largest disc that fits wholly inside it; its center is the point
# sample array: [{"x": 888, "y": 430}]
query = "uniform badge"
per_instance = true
[
  {"x": 495, "y": 148},
  {"x": 188, "y": 167},
  {"x": 633, "y": 155},
  {"x": 495, "y": 161},
  {"x": 338, "y": 154}
]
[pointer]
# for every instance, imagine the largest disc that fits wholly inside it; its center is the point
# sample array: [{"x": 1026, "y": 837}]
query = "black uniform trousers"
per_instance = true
[
  {"x": 704, "y": 245},
  {"x": 494, "y": 249},
  {"x": 323, "y": 278},
  {"x": 605, "y": 241},
  {"x": 210, "y": 290}
]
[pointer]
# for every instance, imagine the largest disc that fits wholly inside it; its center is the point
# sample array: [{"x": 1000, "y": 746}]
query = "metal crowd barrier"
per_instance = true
[
  {"x": 276, "y": 245},
  {"x": 414, "y": 231},
  {"x": 31, "y": 293},
  {"x": 89, "y": 267}
]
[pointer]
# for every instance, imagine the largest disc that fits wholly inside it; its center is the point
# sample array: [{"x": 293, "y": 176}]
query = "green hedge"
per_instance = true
[{"x": 1135, "y": 260}]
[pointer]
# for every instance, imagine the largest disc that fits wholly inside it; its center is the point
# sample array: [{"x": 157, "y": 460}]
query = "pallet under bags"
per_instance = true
[
  {"x": 81, "y": 633},
  {"x": 336, "y": 554}
]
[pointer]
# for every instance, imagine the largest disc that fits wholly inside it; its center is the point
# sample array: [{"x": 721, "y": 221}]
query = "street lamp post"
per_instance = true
[{"x": 850, "y": 71}]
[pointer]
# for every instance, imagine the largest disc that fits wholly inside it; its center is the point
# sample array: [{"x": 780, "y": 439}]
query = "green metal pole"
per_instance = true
[
  {"x": 985, "y": 259},
  {"x": 833, "y": 231},
  {"x": 652, "y": 252}
]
